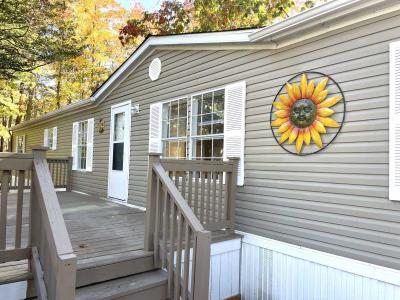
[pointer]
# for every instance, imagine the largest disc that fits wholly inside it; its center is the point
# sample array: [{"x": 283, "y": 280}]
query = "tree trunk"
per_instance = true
[
  {"x": 29, "y": 103},
  {"x": 58, "y": 87}
]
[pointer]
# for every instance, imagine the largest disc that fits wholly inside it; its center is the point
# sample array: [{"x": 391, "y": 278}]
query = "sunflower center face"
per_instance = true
[{"x": 302, "y": 113}]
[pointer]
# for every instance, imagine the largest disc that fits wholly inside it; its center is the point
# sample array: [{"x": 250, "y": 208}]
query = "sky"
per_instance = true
[{"x": 147, "y": 4}]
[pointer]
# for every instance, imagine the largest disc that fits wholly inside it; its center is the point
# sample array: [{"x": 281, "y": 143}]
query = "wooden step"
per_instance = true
[
  {"x": 108, "y": 267},
  {"x": 148, "y": 285}
]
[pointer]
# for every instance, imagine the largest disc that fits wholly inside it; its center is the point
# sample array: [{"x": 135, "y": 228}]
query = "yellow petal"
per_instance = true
[
  {"x": 296, "y": 91},
  {"x": 321, "y": 96},
  {"x": 330, "y": 102},
  {"x": 307, "y": 136},
  {"x": 285, "y": 136},
  {"x": 278, "y": 122},
  {"x": 289, "y": 89},
  {"x": 310, "y": 89},
  {"x": 320, "y": 87},
  {"x": 303, "y": 85},
  {"x": 299, "y": 141},
  {"x": 328, "y": 122},
  {"x": 281, "y": 113},
  {"x": 325, "y": 112},
  {"x": 285, "y": 100},
  {"x": 279, "y": 105},
  {"x": 285, "y": 126},
  {"x": 293, "y": 135},
  {"x": 319, "y": 126},
  {"x": 316, "y": 137}
]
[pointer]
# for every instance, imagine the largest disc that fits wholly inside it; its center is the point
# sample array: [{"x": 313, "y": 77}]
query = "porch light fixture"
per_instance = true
[
  {"x": 304, "y": 110},
  {"x": 101, "y": 125}
]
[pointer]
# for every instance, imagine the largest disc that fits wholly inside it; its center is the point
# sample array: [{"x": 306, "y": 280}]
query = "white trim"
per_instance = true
[
  {"x": 394, "y": 125},
  {"x": 369, "y": 270},
  {"x": 226, "y": 246},
  {"x": 127, "y": 142}
]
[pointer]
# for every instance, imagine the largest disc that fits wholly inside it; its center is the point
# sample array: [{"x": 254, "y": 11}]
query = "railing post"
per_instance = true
[
  {"x": 38, "y": 152},
  {"x": 151, "y": 203},
  {"x": 69, "y": 174},
  {"x": 202, "y": 265},
  {"x": 231, "y": 201}
]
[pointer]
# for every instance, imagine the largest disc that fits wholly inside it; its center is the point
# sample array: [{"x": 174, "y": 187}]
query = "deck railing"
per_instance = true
[
  {"x": 209, "y": 188},
  {"x": 60, "y": 171},
  {"x": 48, "y": 249},
  {"x": 186, "y": 201}
]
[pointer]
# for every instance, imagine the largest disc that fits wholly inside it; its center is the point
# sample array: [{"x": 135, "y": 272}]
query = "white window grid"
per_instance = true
[{"x": 190, "y": 139}]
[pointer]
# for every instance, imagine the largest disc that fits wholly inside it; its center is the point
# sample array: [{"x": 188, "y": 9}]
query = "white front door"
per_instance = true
[{"x": 118, "y": 169}]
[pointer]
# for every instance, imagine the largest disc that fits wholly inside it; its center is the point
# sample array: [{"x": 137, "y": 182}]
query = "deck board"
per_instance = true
[{"x": 99, "y": 230}]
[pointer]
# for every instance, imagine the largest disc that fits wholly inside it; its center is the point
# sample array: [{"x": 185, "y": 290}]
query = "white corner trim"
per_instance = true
[{"x": 369, "y": 270}]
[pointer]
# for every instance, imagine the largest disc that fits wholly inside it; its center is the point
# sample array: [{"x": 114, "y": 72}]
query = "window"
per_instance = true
[
  {"x": 174, "y": 128},
  {"x": 50, "y": 138},
  {"x": 82, "y": 145},
  {"x": 207, "y": 138},
  {"x": 20, "y": 144},
  {"x": 206, "y": 132},
  {"x": 211, "y": 126}
]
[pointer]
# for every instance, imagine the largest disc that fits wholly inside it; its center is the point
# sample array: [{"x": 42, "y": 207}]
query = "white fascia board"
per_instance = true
[
  {"x": 319, "y": 14},
  {"x": 227, "y": 37}
]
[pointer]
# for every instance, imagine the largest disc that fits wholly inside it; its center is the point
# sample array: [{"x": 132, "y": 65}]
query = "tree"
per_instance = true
[
  {"x": 172, "y": 18},
  {"x": 33, "y": 33},
  {"x": 209, "y": 15}
]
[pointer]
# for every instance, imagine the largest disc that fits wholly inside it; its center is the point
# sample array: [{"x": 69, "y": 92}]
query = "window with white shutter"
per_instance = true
[
  {"x": 394, "y": 123},
  {"x": 54, "y": 145},
  {"x": 46, "y": 137},
  {"x": 155, "y": 128},
  {"x": 89, "y": 145},
  {"x": 74, "y": 150},
  {"x": 82, "y": 145},
  {"x": 234, "y": 125},
  {"x": 214, "y": 129}
]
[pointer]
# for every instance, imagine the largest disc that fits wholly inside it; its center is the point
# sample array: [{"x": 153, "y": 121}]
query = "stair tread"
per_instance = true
[
  {"x": 122, "y": 286},
  {"x": 111, "y": 259}
]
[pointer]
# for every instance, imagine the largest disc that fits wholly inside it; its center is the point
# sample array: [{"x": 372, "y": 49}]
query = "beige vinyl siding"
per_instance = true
[{"x": 335, "y": 201}]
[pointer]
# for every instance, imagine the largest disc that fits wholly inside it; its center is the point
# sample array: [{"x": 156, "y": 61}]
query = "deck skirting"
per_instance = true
[{"x": 275, "y": 270}]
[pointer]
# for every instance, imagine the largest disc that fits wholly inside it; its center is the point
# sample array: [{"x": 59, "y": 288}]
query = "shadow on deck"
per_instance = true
[{"x": 107, "y": 238}]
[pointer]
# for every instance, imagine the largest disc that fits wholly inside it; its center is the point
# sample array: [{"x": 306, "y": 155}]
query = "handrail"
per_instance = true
[
  {"x": 49, "y": 234},
  {"x": 181, "y": 244},
  {"x": 52, "y": 261}
]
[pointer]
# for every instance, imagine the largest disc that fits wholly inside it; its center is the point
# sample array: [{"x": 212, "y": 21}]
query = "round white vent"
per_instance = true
[{"x": 155, "y": 69}]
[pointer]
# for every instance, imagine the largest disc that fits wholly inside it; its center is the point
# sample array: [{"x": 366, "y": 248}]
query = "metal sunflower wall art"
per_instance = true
[{"x": 307, "y": 113}]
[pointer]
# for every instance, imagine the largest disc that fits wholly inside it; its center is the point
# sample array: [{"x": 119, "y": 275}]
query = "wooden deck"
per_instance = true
[{"x": 103, "y": 234}]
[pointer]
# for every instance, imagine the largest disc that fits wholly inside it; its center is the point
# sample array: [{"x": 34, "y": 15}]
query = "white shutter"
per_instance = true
[
  {"x": 46, "y": 137},
  {"x": 54, "y": 138},
  {"x": 394, "y": 123},
  {"x": 74, "y": 151},
  {"x": 24, "y": 143},
  {"x": 89, "y": 147},
  {"x": 155, "y": 128},
  {"x": 234, "y": 125}
]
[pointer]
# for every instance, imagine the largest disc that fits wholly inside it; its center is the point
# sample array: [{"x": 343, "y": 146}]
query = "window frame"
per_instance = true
[
  {"x": 189, "y": 138},
  {"x": 210, "y": 136},
  {"x": 79, "y": 145},
  {"x": 177, "y": 138},
  {"x": 23, "y": 137}
]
